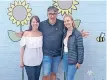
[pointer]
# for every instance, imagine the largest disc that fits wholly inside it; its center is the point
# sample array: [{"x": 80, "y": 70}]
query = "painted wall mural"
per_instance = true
[
  {"x": 19, "y": 13},
  {"x": 88, "y": 15},
  {"x": 65, "y": 7},
  {"x": 101, "y": 38}
]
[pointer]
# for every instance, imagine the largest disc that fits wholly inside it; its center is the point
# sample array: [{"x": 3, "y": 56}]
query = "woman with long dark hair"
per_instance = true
[{"x": 31, "y": 50}]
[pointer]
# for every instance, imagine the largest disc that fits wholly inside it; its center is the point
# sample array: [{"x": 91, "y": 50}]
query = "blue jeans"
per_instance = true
[
  {"x": 50, "y": 64},
  {"x": 33, "y": 72},
  {"x": 69, "y": 69}
]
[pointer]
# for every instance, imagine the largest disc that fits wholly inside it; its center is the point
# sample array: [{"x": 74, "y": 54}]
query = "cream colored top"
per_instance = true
[{"x": 33, "y": 54}]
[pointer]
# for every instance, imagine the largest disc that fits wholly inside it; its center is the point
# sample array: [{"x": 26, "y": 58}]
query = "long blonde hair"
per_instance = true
[{"x": 73, "y": 24}]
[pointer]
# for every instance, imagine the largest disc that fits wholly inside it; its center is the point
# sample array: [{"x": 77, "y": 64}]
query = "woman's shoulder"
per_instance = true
[
  {"x": 26, "y": 33},
  {"x": 40, "y": 33},
  {"x": 29, "y": 33},
  {"x": 77, "y": 32}
]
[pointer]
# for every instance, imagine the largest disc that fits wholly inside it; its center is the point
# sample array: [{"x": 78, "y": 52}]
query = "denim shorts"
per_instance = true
[{"x": 50, "y": 64}]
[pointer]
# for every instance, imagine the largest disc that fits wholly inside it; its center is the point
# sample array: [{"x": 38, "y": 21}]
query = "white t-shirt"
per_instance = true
[{"x": 33, "y": 54}]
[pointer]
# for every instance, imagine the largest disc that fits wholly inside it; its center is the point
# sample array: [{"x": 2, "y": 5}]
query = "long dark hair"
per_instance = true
[{"x": 36, "y": 18}]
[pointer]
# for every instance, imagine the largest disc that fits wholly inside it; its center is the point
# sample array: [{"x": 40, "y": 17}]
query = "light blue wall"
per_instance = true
[{"x": 93, "y": 19}]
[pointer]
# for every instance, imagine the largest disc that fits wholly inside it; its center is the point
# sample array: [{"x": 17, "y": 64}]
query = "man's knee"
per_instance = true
[
  {"x": 53, "y": 74},
  {"x": 46, "y": 66}
]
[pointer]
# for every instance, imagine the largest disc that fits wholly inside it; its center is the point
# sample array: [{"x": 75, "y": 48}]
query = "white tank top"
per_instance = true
[
  {"x": 33, "y": 54},
  {"x": 65, "y": 45}
]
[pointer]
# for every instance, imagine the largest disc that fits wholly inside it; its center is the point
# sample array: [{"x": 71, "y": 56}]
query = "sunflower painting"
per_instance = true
[
  {"x": 67, "y": 7},
  {"x": 19, "y": 13}
]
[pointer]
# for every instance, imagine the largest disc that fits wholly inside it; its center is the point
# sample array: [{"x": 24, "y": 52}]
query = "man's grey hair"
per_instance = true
[{"x": 52, "y": 8}]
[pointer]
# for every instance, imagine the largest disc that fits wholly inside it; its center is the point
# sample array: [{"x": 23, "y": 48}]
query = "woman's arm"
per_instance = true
[
  {"x": 22, "y": 49},
  {"x": 80, "y": 48},
  {"x": 21, "y": 57}
]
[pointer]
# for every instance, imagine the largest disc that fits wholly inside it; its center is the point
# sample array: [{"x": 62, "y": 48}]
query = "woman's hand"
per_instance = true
[
  {"x": 22, "y": 64},
  {"x": 78, "y": 65}
]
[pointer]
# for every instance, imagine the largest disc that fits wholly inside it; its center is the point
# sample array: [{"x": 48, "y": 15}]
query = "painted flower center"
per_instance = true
[
  {"x": 65, "y": 4},
  {"x": 19, "y": 13}
]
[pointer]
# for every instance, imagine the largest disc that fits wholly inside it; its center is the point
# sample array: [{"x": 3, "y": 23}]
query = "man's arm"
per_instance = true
[
  {"x": 84, "y": 33},
  {"x": 19, "y": 34}
]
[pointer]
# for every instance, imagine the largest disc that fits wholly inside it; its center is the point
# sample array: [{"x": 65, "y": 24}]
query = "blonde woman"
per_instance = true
[{"x": 73, "y": 48}]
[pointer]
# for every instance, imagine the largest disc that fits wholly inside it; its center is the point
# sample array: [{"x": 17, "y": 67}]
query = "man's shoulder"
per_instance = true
[
  {"x": 42, "y": 22},
  {"x": 61, "y": 21}
]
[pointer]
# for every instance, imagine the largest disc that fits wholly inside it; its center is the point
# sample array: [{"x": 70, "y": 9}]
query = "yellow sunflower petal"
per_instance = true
[
  {"x": 25, "y": 22},
  {"x": 14, "y": 21},
  {"x": 26, "y": 6},
  {"x": 29, "y": 14},
  {"x": 22, "y": 23},
  {"x": 18, "y": 23},
  {"x": 28, "y": 10},
  {"x": 62, "y": 12},
  {"x": 74, "y": 7},
  {"x": 59, "y": 11},
  {"x": 19, "y": 2},
  {"x": 67, "y": 12},
  {"x": 15, "y": 3},
  {"x": 12, "y": 6},
  {"x": 27, "y": 18},
  {"x": 70, "y": 10},
  {"x": 75, "y": 2},
  {"x": 11, "y": 18},
  {"x": 24, "y": 3},
  {"x": 10, "y": 13},
  {"x": 10, "y": 9}
]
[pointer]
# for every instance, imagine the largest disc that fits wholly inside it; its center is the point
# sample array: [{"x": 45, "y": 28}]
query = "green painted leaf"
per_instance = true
[
  {"x": 77, "y": 22},
  {"x": 12, "y": 36}
]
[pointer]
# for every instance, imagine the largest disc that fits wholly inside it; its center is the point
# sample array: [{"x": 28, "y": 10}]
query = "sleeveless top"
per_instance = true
[{"x": 33, "y": 54}]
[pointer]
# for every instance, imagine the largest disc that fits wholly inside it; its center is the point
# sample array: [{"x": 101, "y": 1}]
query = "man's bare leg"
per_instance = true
[
  {"x": 53, "y": 76},
  {"x": 46, "y": 78}
]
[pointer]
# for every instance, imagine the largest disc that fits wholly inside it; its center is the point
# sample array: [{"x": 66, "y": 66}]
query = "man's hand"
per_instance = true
[
  {"x": 84, "y": 33},
  {"x": 19, "y": 34}
]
